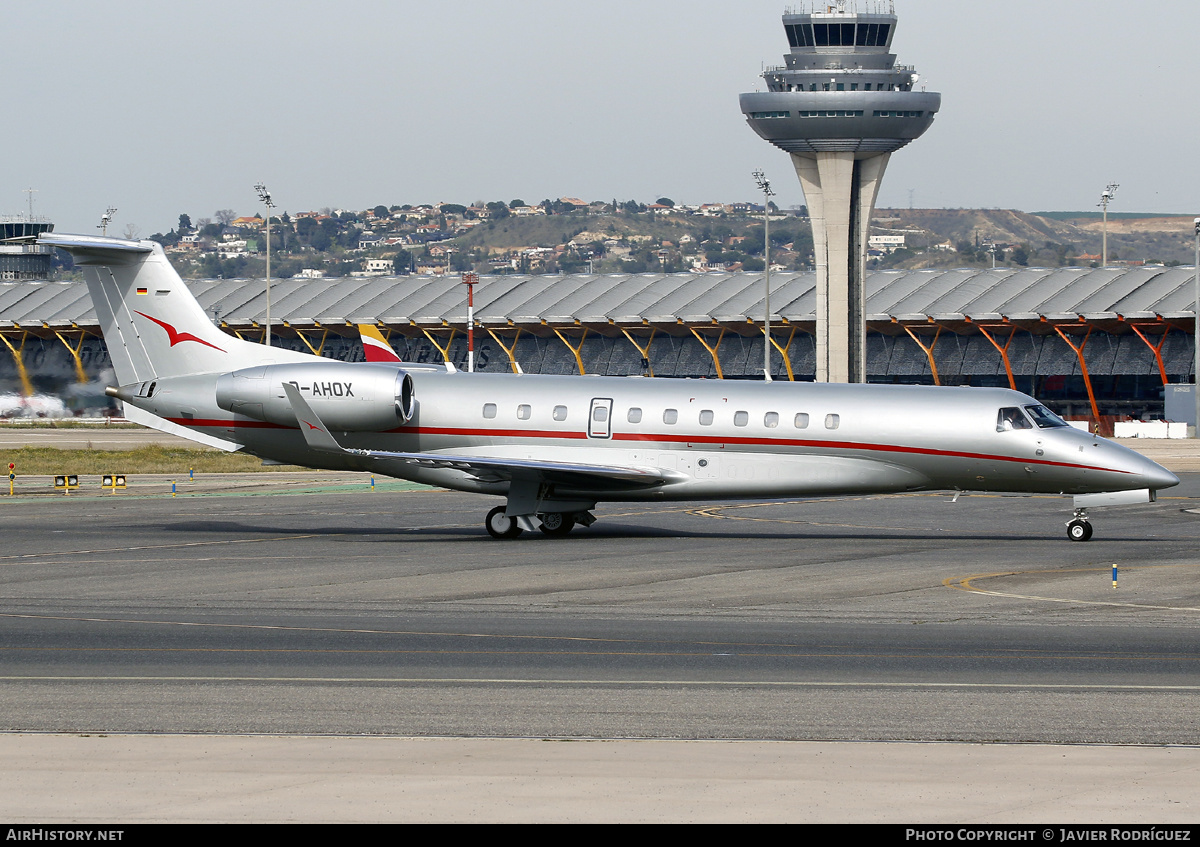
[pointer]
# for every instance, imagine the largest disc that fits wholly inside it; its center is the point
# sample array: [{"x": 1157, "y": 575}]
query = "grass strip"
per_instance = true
[{"x": 151, "y": 459}]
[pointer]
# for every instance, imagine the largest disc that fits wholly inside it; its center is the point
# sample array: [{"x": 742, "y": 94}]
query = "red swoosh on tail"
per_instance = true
[{"x": 175, "y": 336}]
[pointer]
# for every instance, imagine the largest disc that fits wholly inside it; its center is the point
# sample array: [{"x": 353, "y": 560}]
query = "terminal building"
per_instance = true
[
  {"x": 20, "y": 260},
  {"x": 1091, "y": 343}
]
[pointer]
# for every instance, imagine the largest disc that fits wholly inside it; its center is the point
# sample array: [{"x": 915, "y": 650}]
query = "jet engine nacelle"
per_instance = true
[{"x": 351, "y": 397}]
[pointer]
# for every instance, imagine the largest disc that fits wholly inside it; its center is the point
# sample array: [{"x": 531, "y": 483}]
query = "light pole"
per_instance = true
[
  {"x": 469, "y": 279},
  {"x": 105, "y": 220},
  {"x": 1108, "y": 194},
  {"x": 265, "y": 197},
  {"x": 765, "y": 186},
  {"x": 1196, "y": 339}
]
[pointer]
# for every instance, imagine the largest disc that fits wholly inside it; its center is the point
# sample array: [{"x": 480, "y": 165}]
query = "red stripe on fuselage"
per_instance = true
[{"x": 674, "y": 439}]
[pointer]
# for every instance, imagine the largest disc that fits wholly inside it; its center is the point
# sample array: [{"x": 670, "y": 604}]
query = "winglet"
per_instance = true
[{"x": 315, "y": 432}]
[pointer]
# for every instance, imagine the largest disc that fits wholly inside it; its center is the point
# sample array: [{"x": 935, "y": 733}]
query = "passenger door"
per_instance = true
[{"x": 600, "y": 418}]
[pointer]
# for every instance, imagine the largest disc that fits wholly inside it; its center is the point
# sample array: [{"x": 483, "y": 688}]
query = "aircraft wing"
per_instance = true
[{"x": 485, "y": 469}]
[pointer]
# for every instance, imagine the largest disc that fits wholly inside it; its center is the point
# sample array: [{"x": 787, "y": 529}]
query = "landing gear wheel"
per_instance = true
[
  {"x": 500, "y": 525},
  {"x": 1079, "y": 530},
  {"x": 557, "y": 524}
]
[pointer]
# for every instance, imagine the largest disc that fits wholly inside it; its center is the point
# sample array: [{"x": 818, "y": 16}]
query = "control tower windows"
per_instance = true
[
  {"x": 873, "y": 35},
  {"x": 799, "y": 35},
  {"x": 839, "y": 35},
  {"x": 828, "y": 113}
]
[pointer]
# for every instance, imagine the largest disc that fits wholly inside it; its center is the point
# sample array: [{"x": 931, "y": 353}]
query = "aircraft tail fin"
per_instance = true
[
  {"x": 375, "y": 345},
  {"x": 152, "y": 324}
]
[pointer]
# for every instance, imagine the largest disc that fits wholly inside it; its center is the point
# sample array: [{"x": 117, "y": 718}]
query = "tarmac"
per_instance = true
[{"x": 127, "y": 778}]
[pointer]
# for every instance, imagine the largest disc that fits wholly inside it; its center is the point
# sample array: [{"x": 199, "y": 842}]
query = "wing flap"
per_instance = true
[{"x": 609, "y": 477}]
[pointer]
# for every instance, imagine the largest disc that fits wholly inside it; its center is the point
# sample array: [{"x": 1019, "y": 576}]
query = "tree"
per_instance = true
[
  {"x": 402, "y": 263},
  {"x": 185, "y": 225},
  {"x": 380, "y": 211},
  {"x": 225, "y": 216},
  {"x": 665, "y": 201}
]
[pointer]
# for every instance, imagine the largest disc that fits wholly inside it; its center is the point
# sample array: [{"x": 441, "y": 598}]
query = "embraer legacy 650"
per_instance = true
[{"x": 555, "y": 446}]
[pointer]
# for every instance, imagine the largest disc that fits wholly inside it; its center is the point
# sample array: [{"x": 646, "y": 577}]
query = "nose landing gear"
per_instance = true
[{"x": 1079, "y": 528}]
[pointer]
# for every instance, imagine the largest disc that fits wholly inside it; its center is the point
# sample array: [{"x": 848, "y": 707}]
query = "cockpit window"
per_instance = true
[
  {"x": 1012, "y": 418},
  {"x": 1045, "y": 418}
]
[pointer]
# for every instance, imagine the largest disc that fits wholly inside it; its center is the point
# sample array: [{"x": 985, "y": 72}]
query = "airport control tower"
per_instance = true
[{"x": 840, "y": 106}]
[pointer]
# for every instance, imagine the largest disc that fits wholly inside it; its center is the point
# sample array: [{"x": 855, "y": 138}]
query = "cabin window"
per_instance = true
[
  {"x": 741, "y": 418},
  {"x": 635, "y": 415},
  {"x": 560, "y": 413},
  {"x": 833, "y": 421},
  {"x": 671, "y": 417},
  {"x": 771, "y": 420},
  {"x": 706, "y": 417},
  {"x": 489, "y": 410},
  {"x": 524, "y": 412},
  {"x": 1012, "y": 418},
  {"x": 802, "y": 420}
]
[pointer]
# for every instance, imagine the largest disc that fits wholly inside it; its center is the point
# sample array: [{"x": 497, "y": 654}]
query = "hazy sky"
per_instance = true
[{"x": 160, "y": 108}]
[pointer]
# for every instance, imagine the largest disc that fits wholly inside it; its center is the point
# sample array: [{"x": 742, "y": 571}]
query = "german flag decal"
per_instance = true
[{"x": 143, "y": 291}]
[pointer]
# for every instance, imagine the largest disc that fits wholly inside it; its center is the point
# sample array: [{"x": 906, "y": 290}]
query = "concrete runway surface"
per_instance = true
[{"x": 299, "y": 647}]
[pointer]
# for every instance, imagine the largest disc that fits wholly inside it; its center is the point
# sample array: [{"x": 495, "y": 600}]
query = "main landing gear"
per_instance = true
[
  {"x": 553, "y": 524},
  {"x": 1079, "y": 528}
]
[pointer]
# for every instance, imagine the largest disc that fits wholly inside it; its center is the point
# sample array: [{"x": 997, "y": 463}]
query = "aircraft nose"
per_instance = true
[{"x": 1157, "y": 476}]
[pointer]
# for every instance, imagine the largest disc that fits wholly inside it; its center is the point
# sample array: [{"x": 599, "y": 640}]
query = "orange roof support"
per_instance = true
[
  {"x": 1087, "y": 379},
  {"x": 509, "y": 350},
  {"x": 783, "y": 351},
  {"x": 712, "y": 350},
  {"x": 937, "y": 380},
  {"x": 1157, "y": 348},
  {"x": 1012, "y": 383},
  {"x": 576, "y": 349}
]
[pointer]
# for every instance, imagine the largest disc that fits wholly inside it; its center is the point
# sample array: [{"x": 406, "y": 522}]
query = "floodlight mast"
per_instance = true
[
  {"x": 265, "y": 197},
  {"x": 1108, "y": 194},
  {"x": 105, "y": 220},
  {"x": 764, "y": 185},
  {"x": 470, "y": 278}
]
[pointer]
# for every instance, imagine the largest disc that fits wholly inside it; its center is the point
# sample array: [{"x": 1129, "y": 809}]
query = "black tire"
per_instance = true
[
  {"x": 500, "y": 525},
  {"x": 557, "y": 524},
  {"x": 1079, "y": 531}
]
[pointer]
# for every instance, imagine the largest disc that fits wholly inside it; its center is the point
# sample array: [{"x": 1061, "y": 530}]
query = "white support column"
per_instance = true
[
  {"x": 840, "y": 192},
  {"x": 869, "y": 176},
  {"x": 810, "y": 181}
]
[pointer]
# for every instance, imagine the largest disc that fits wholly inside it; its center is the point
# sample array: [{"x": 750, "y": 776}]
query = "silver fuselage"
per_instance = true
[{"x": 710, "y": 439}]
